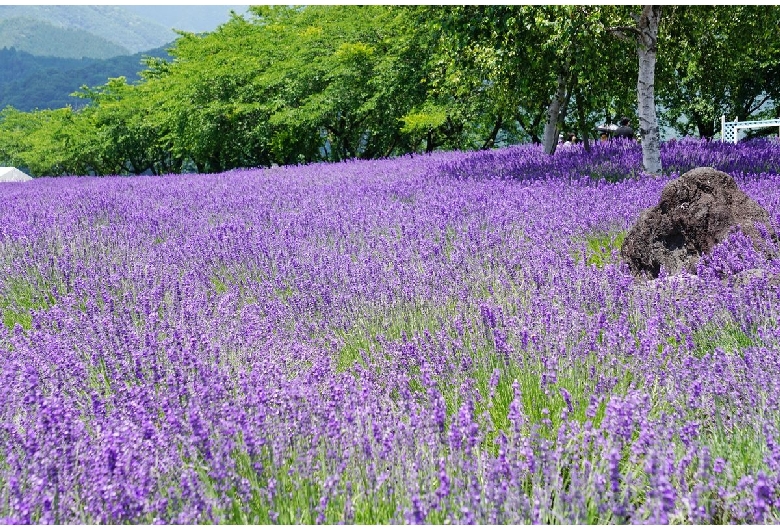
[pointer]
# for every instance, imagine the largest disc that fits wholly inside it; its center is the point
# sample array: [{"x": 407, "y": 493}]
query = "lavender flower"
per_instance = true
[{"x": 320, "y": 343}]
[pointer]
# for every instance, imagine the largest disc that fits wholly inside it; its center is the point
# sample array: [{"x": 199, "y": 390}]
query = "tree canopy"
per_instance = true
[
  {"x": 719, "y": 60},
  {"x": 287, "y": 85}
]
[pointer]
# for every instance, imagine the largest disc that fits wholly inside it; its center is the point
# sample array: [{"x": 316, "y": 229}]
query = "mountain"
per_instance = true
[
  {"x": 115, "y": 24},
  {"x": 51, "y": 51},
  {"x": 41, "y": 38},
  {"x": 196, "y": 19},
  {"x": 31, "y": 82}
]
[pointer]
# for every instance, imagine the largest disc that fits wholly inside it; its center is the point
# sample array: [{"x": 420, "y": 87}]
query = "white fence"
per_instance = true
[{"x": 729, "y": 130}]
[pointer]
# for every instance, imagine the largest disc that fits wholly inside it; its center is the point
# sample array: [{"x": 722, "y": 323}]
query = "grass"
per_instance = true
[
  {"x": 21, "y": 296},
  {"x": 279, "y": 496},
  {"x": 600, "y": 247},
  {"x": 403, "y": 320},
  {"x": 543, "y": 402},
  {"x": 729, "y": 337}
]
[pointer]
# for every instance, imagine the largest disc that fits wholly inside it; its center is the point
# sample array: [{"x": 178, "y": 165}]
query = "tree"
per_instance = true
[
  {"x": 647, "y": 42},
  {"x": 291, "y": 85},
  {"x": 346, "y": 75},
  {"x": 646, "y": 34},
  {"x": 719, "y": 60},
  {"x": 550, "y": 68},
  {"x": 470, "y": 100},
  {"x": 46, "y": 142},
  {"x": 15, "y": 128},
  {"x": 286, "y": 85}
]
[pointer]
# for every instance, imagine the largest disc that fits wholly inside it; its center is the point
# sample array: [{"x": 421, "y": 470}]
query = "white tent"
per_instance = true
[{"x": 11, "y": 174}]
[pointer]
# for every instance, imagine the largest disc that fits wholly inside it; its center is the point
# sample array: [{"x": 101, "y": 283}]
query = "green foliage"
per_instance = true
[
  {"x": 729, "y": 337},
  {"x": 526, "y": 51},
  {"x": 719, "y": 60},
  {"x": 298, "y": 498},
  {"x": 289, "y": 85},
  {"x": 600, "y": 246},
  {"x": 18, "y": 298},
  {"x": 430, "y": 117},
  {"x": 219, "y": 286},
  {"x": 45, "y": 142},
  {"x": 738, "y": 446},
  {"x": 392, "y": 323}
]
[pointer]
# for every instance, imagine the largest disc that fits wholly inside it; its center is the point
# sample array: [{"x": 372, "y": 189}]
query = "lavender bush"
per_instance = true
[
  {"x": 414, "y": 340},
  {"x": 617, "y": 160}
]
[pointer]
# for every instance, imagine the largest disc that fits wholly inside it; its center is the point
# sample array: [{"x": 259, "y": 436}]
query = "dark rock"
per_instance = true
[{"x": 696, "y": 212}]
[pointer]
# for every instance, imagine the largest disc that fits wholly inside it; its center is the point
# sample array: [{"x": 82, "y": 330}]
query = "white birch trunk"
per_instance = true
[
  {"x": 550, "y": 138},
  {"x": 648, "y": 121}
]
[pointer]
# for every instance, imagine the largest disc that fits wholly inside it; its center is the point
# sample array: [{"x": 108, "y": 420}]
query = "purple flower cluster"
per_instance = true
[
  {"x": 618, "y": 160},
  {"x": 371, "y": 342}
]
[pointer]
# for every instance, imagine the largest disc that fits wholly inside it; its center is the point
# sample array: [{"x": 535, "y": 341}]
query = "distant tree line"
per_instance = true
[
  {"x": 286, "y": 85},
  {"x": 31, "y": 82}
]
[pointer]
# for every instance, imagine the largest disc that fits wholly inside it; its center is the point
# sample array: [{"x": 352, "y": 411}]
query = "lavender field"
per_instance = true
[{"x": 444, "y": 338}]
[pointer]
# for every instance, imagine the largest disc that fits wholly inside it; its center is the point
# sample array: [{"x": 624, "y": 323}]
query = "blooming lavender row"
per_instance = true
[
  {"x": 378, "y": 341},
  {"x": 618, "y": 159}
]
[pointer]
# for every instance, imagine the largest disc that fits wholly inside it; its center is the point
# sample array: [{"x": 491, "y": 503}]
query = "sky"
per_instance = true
[{"x": 194, "y": 18}]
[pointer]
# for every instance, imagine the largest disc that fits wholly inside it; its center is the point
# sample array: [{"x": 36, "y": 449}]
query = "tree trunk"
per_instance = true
[
  {"x": 564, "y": 110},
  {"x": 429, "y": 141},
  {"x": 390, "y": 148},
  {"x": 533, "y": 129},
  {"x": 705, "y": 127},
  {"x": 491, "y": 140},
  {"x": 648, "y": 121},
  {"x": 551, "y": 127},
  {"x": 585, "y": 134}
]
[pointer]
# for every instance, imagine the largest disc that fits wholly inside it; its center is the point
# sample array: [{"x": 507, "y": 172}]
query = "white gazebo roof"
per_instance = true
[{"x": 11, "y": 174}]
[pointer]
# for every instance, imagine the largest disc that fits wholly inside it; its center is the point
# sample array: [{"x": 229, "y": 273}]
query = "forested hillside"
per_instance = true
[
  {"x": 41, "y": 38},
  {"x": 131, "y": 33},
  {"x": 286, "y": 85},
  {"x": 32, "y": 82}
]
